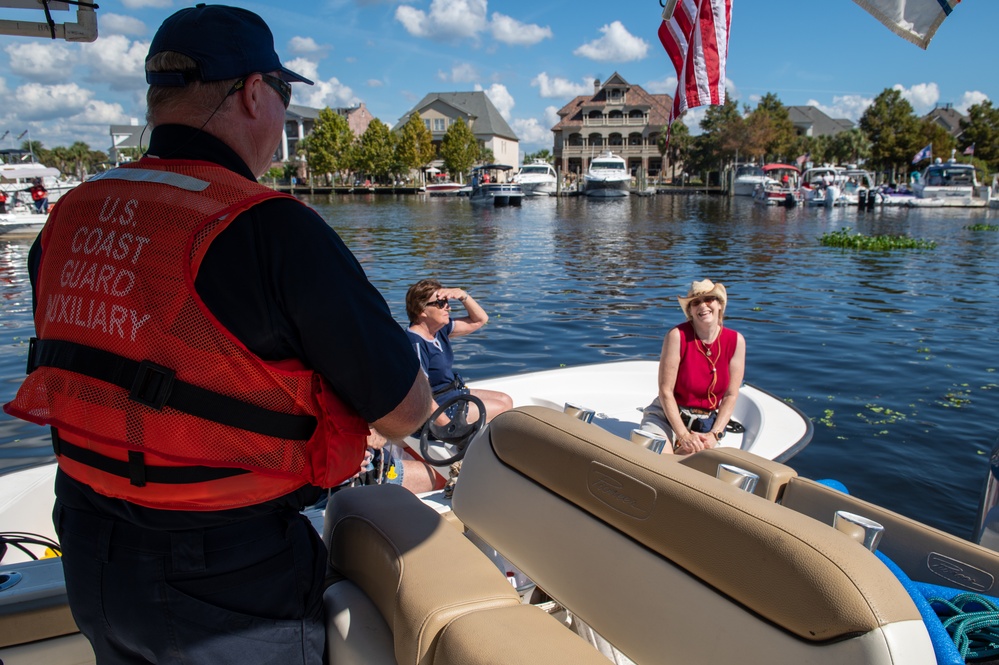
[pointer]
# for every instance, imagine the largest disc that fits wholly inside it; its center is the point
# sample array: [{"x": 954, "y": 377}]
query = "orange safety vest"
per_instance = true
[
  {"x": 38, "y": 193},
  {"x": 152, "y": 400}
]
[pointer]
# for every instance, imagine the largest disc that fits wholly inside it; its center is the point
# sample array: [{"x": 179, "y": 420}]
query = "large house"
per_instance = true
[
  {"x": 298, "y": 123},
  {"x": 810, "y": 121},
  {"x": 439, "y": 110},
  {"x": 619, "y": 117},
  {"x": 949, "y": 118}
]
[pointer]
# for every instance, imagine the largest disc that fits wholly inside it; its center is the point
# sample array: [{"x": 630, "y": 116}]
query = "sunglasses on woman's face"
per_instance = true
[
  {"x": 696, "y": 302},
  {"x": 440, "y": 303}
]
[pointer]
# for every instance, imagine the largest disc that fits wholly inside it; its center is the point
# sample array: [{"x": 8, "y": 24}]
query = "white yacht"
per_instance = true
[
  {"x": 537, "y": 178},
  {"x": 747, "y": 177},
  {"x": 607, "y": 176},
  {"x": 823, "y": 185},
  {"x": 949, "y": 183}
]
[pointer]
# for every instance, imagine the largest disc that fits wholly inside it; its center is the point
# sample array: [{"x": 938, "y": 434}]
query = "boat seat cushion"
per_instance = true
[
  {"x": 926, "y": 554},
  {"x": 417, "y": 569},
  {"x": 644, "y": 550},
  {"x": 773, "y": 475},
  {"x": 519, "y": 634}
]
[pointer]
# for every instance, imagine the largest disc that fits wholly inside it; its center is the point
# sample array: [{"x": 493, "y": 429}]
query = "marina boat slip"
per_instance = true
[
  {"x": 607, "y": 176},
  {"x": 950, "y": 183},
  {"x": 747, "y": 177},
  {"x": 537, "y": 178}
]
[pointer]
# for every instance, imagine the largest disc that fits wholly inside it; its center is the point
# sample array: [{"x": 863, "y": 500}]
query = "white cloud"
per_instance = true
[
  {"x": 101, "y": 114},
  {"x": 922, "y": 96},
  {"x": 844, "y": 106},
  {"x": 530, "y": 131},
  {"x": 666, "y": 86},
  {"x": 43, "y": 102},
  {"x": 511, "y": 31},
  {"x": 558, "y": 87},
  {"x": 118, "y": 24},
  {"x": 307, "y": 46},
  {"x": 374, "y": 83},
  {"x": 500, "y": 97},
  {"x": 116, "y": 61},
  {"x": 141, "y": 4},
  {"x": 461, "y": 72},
  {"x": 447, "y": 20},
  {"x": 330, "y": 93},
  {"x": 46, "y": 62},
  {"x": 617, "y": 45},
  {"x": 968, "y": 100}
]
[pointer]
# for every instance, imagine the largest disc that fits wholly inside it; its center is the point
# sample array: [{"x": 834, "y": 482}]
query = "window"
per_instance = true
[{"x": 440, "y": 124}]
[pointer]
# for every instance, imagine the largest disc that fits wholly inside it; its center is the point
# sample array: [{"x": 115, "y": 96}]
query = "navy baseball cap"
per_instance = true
[{"x": 226, "y": 42}]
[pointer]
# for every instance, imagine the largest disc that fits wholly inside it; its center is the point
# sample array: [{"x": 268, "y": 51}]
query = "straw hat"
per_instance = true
[{"x": 703, "y": 288}]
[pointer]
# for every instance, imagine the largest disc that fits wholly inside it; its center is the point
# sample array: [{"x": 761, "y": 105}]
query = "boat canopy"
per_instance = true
[
  {"x": 492, "y": 167},
  {"x": 15, "y": 172},
  {"x": 780, "y": 167}
]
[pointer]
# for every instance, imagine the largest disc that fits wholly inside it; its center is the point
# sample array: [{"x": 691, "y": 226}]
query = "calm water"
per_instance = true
[{"x": 892, "y": 355}]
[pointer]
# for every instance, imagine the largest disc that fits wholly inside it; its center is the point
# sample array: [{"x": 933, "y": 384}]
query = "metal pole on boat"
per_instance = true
[
  {"x": 865, "y": 531},
  {"x": 579, "y": 412},
  {"x": 738, "y": 477}
]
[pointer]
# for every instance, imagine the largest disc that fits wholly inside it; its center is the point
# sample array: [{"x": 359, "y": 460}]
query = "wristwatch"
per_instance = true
[{"x": 718, "y": 435}]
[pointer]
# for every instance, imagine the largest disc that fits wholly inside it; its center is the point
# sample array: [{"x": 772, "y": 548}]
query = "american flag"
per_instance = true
[
  {"x": 970, "y": 150},
  {"x": 695, "y": 36}
]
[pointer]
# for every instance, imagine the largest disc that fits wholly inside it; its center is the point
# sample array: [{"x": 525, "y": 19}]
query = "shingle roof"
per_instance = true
[
  {"x": 948, "y": 118},
  {"x": 477, "y": 105},
  {"x": 822, "y": 124},
  {"x": 659, "y": 105}
]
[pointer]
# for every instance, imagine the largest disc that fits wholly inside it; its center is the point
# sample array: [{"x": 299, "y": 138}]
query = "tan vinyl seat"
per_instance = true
[
  {"x": 924, "y": 553},
  {"x": 669, "y": 563},
  {"x": 774, "y": 476},
  {"x": 410, "y": 580}
]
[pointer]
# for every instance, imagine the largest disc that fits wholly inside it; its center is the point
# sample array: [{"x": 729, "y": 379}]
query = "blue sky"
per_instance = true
[{"x": 531, "y": 58}]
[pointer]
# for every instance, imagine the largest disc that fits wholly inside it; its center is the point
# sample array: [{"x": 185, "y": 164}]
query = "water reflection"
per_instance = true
[{"x": 891, "y": 354}]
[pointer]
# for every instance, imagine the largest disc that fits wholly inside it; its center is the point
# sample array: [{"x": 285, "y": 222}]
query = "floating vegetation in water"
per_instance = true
[
  {"x": 880, "y": 415},
  {"x": 983, "y": 227},
  {"x": 883, "y": 243},
  {"x": 826, "y": 418},
  {"x": 757, "y": 309},
  {"x": 957, "y": 398}
]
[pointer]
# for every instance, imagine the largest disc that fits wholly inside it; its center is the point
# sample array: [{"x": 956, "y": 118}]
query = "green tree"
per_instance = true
[
  {"x": 892, "y": 128},
  {"x": 543, "y": 155},
  {"x": 459, "y": 148},
  {"x": 326, "y": 147},
  {"x": 849, "y": 147},
  {"x": 678, "y": 148},
  {"x": 930, "y": 132},
  {"x": 724, "y": 131},
  {"x": 415, "y": 147},
  {"x": 981, "y": 129},
  {"x": 376, "y": 151},
  {"x": 778, "y": 137}
]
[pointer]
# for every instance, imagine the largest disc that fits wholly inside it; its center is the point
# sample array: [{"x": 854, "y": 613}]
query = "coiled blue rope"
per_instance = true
[{"x": 972, "y": 621}]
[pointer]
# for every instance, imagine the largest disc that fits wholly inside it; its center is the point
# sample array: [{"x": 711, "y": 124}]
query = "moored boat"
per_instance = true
[
  {"x": 487, "y": 190},
  {"x": 607, "y": 177},
  {"x": 780, "y": 186},
  {"x": 747, "y": 178},
  {"x": 950, "y": 183},
  {"x": 823, "y": 185},
  {"x": 537, "y": 178}
]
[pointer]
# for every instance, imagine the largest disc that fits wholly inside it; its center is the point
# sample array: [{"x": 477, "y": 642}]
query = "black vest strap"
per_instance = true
[
  {"x": 156, "y": 386},
  {"x": 135, "y": 468}
]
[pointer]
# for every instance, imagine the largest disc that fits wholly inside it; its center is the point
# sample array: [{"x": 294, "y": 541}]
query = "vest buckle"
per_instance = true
[{"x": 152, "y": 385}]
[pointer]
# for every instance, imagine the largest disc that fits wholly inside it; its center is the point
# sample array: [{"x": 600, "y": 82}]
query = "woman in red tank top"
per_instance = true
[{"x": 700, "y": 370}]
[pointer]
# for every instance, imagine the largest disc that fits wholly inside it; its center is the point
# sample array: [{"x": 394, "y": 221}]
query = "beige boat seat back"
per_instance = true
[
  {"x": 670, "y": 564},
  {"x": 406, "y": 582},
  {"x": 924, "y": 553},
  {"x": 773, "y": 476}
]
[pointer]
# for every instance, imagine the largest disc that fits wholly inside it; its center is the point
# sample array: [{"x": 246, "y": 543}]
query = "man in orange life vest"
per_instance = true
[
  {"x": 39, "y": 195},
  {"x": 209, "y": 356}
]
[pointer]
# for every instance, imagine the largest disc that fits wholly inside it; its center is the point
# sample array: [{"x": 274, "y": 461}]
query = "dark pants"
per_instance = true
[{"x": 249, "y": 592}]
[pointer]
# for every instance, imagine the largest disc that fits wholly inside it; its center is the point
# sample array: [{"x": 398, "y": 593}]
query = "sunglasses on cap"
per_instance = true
[
  {"x": 280, "y": 86},
  {"x": 440, "y": 303}
]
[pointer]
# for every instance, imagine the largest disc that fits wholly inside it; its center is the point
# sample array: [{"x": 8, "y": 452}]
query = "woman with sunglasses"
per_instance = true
[
  {"x": 431, "y": 327},
  {"x": 700, "y": 371}
]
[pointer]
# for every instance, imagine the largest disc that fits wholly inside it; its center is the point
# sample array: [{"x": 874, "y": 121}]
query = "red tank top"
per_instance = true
[{"x": 702, "y": 379}]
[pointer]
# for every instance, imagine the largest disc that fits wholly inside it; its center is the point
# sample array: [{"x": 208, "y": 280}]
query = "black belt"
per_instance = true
[
  {"x": 156, "y": 387},
  {"x": 456, "y": 384}
]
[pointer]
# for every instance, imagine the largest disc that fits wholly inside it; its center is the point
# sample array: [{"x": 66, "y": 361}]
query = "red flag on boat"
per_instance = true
[
  {"x": 913, "y": 20},
  {"x": 695, "y": 36},
  {"x": 970, "y": 150}
]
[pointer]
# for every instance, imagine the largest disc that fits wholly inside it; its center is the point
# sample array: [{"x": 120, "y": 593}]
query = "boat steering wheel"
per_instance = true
[{"x": 450, "y": 441}]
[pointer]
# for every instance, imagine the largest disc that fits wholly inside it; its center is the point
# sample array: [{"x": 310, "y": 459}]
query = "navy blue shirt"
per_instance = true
[
  {"x": 282, "y": 281},
  {"x": 436, "y": 357}
]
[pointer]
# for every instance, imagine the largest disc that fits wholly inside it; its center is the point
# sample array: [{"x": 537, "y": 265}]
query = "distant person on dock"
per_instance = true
[
  {"x": 222, "y": 369},
  {"x": 700, "y": 371},
  {"x": 3, "y": 202},
  {"x": 428, "y": 305},
  {"x": 40, "y": 196}
]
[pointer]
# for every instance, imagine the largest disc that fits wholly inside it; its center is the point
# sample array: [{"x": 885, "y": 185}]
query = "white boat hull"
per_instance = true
[
  {"x": 21, "y": 223},
  {"x": 497, "y": 195},
  {"x": 606, "y": 188},
  {"x": 537, "y": 188}
]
